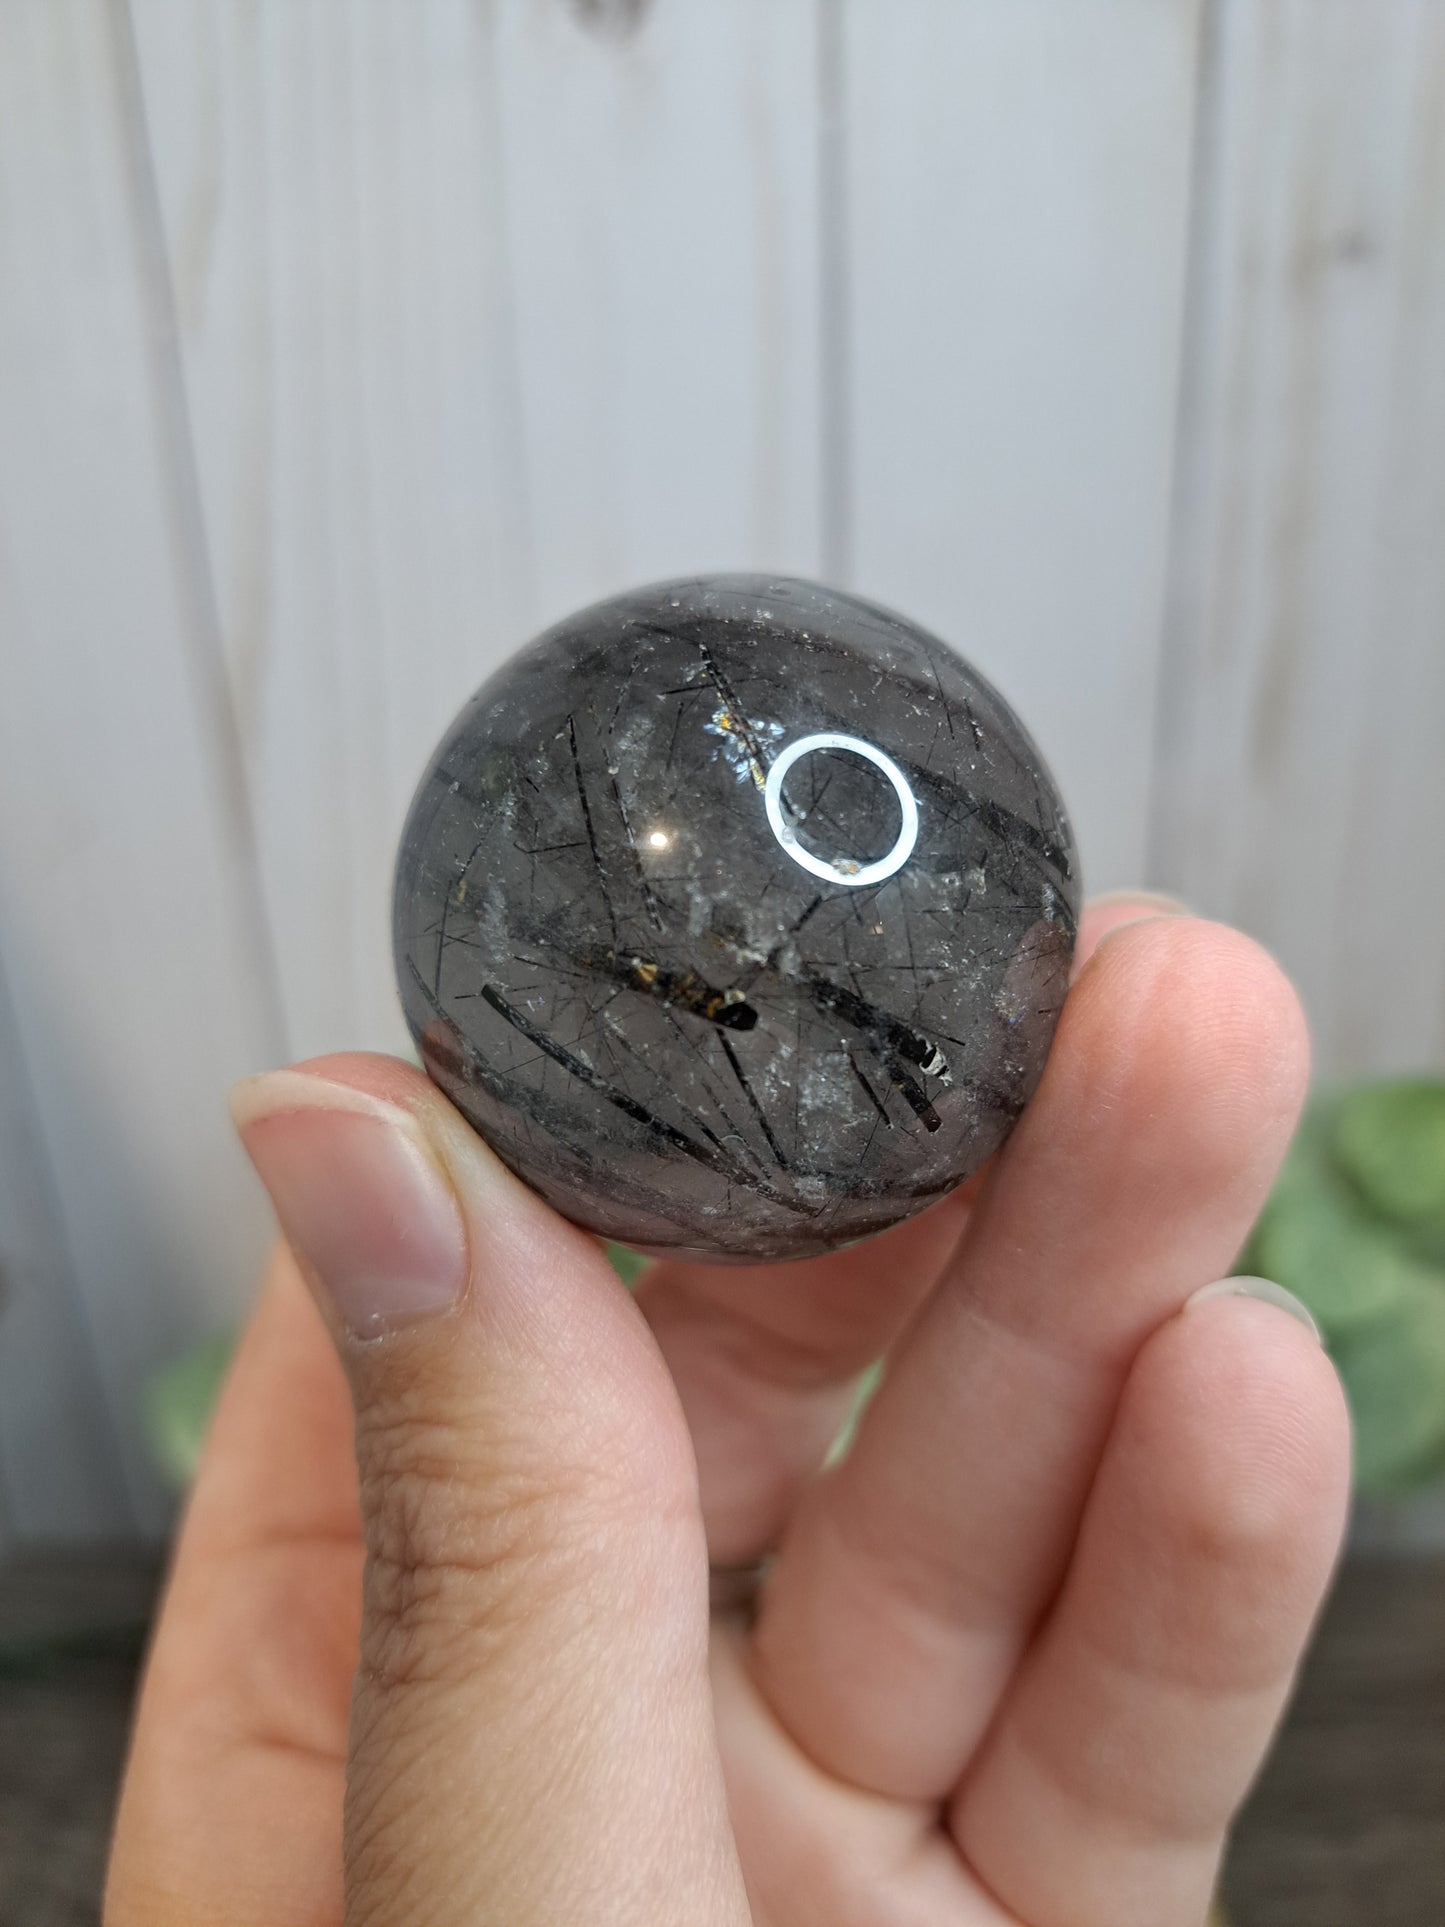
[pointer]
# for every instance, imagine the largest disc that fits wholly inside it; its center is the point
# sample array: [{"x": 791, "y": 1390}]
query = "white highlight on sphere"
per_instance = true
[{"x": 817, "y": 866}]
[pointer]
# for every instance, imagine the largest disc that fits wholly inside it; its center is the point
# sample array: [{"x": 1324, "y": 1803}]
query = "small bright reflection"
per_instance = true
[{"x": 659, "y": 839}]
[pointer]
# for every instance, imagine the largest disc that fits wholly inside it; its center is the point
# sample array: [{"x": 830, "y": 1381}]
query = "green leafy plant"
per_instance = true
[{"x": 1355, "y": 1226}]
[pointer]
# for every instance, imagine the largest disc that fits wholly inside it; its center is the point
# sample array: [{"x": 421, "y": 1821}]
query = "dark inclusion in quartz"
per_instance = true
[{"x": 736, "y": 914}]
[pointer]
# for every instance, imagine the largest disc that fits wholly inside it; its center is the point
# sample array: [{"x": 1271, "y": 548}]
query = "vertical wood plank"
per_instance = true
[
  {"x": 138, "y": 973},
  {"x": 328, "y": 184},
  {"x": 1016, "y": 193},
  {"x": 485, "y": 311},
  {"x": 662, "y": 204},
  {"x": 1301, "y": 785}
]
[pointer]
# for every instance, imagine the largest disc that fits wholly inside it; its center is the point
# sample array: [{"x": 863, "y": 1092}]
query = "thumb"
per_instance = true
[{"x": 531, "y": 1727}]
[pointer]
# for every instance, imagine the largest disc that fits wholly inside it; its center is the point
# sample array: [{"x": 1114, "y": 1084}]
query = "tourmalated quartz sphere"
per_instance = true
[{"x": 736, "y": 915}]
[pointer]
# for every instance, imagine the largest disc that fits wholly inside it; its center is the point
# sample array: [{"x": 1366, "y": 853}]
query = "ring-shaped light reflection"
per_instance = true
[{"x": 859, "y": 874}]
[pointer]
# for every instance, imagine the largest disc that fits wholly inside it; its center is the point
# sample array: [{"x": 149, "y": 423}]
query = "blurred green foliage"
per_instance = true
[
  {"x": 1355, "y": 1226},
  {"x": 177, "y": 1408},
  {"x": 629, "y": 1265}
]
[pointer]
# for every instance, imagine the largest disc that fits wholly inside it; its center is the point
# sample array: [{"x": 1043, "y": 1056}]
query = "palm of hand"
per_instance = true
[{"x": 1017, "y": 1655}]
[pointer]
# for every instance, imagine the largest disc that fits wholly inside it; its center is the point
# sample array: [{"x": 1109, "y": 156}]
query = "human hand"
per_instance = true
[{"x": 1017, "y": 1656}]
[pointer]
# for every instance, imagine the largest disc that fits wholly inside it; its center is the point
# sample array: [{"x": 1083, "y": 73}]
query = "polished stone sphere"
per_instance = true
[{"x": 736, "y": 914}]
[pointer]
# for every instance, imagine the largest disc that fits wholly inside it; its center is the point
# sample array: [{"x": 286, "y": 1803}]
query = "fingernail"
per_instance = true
[
  {"x": 1154, "y": 902},
  {"x": 359, "y": 1195},
  {"x": 1144, "y": 916},
  {"x": 1266, "y": 1292}
]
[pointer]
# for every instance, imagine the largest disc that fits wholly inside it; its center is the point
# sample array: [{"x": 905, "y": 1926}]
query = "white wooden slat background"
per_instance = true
[
  {"x": 1301, "y": 787},
  {"x": 345, "y": 342},
  {"x": 1017, "y": 184}
]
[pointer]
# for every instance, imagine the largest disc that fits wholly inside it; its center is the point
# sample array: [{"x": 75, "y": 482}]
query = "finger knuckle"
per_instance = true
[
  {"x": 1259, "y": 1512},
  {"x": 473, "y": 1532},
  {"x": 453, "y": 1550}
]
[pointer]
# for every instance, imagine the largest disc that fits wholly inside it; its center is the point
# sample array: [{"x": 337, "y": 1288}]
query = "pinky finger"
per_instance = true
[{"x": 1143, "y": 1710}]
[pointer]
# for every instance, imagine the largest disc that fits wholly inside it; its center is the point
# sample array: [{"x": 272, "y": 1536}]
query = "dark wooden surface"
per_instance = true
[
  {"x": 70, "y": 1643},
  {"x": 1346, "y": 1827},
  {"x": 1347, "y": 1824}
]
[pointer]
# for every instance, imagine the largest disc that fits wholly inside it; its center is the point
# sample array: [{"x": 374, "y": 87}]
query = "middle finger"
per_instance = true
[{"x": 912, "y": 1576}]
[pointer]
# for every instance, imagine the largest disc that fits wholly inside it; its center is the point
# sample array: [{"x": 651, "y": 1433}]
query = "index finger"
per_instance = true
[{"x": 766, "y": 1357}]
